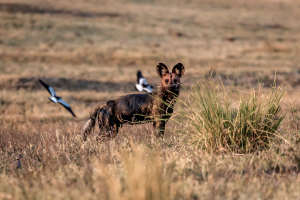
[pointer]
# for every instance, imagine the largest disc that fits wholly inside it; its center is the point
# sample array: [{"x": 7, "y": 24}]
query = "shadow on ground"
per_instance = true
[
  {"x": 244, "y": 79},
  {"x": 32, "y": 83},
  {"x": 251, "y": 79},
  {"x": 26, "y": 8}
]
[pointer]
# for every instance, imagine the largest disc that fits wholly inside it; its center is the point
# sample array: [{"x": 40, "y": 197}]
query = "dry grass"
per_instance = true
[
  {"x": 89, "y": 51},
  {"x": 57, "y": 164}
]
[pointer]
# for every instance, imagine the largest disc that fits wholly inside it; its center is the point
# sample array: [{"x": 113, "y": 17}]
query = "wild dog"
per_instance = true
[{"x": 155, "y": 107}]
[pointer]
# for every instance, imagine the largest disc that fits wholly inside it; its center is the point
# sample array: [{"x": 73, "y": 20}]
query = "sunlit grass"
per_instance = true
[{"x": 224, "y": 120}]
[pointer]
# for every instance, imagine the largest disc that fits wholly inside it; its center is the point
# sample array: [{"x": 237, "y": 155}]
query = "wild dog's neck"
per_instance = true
[{"x": 167, "y": 95}]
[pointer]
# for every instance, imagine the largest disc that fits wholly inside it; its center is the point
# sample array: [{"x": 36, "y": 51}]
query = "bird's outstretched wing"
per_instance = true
[
  {"x": 139, "y": 75},
  {"x": 148, "y": 89},
  {"x": 53, "y": 99},
  {"x": 50, "y": 89},
  {"x": 143, "y": 82},
  {"x": 138, "y": 87},
  {"x": 67, "y": 106}
]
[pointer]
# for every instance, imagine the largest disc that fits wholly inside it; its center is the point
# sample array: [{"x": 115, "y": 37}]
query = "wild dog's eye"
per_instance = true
[
  {"x": 167, "y": 81},
  {"x": 175, "y": 81}
]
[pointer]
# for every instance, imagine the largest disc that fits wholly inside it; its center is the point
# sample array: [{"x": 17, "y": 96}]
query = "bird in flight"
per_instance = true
[
  {"x": 142, "y": 83},
  {"x": 54, "y": 98}
]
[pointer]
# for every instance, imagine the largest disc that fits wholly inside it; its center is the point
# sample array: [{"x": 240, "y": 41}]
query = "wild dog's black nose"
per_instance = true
[{"x": 173, "y": 86}]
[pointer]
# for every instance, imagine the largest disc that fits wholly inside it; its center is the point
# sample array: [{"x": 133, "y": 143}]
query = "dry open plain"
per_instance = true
[{"x": 89, "y": 52}]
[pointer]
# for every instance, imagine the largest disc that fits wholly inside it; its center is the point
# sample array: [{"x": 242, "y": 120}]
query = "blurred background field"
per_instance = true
[{"x": 89, "y": 52}]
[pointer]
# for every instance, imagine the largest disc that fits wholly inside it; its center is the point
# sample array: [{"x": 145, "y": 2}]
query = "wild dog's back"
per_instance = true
[{"x": 135, "y": 108}]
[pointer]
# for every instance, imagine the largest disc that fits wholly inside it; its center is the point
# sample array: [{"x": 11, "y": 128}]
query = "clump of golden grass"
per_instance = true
[{"x": 217, "y": 123}]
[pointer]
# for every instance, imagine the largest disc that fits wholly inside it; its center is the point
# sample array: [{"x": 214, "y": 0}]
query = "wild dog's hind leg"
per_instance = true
[
  {"x": 104, "y": 135},
  {"x": 108, "y": 126},
  {"x": 108, "y": 133},
  {"x": 104, "y": 126}
]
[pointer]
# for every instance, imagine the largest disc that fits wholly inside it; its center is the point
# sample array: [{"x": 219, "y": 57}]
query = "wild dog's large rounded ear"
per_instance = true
[
  {"x": 178, "y": 69},
  {"x": 162, "y": 69}
]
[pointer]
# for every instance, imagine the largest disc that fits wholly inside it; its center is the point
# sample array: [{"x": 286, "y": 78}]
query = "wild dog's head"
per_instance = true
[{"x": 170, "y": 81}]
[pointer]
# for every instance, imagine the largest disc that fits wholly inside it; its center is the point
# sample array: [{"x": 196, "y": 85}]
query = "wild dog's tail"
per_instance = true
[
  {"x": 105, "y": 115},
  {"x": 90, "y": 124}
]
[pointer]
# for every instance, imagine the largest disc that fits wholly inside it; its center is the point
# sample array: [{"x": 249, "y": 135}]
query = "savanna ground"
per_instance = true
[{"x": 89, "y": 52}]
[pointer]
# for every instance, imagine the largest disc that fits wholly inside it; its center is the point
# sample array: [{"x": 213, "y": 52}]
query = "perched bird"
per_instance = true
[
  {"x": 142, "y": 83},
  {"x": 56, "y": 98},
  {"x": 17, "y": 163}
]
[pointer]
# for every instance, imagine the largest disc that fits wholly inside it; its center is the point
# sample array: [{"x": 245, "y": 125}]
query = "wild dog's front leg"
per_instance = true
[
  {"x": 159, "y": 126},
  {"x": 116, "y": 129}
]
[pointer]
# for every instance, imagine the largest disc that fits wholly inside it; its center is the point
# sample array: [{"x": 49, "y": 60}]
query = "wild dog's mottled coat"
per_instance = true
[{"x": 155, "y": 107}]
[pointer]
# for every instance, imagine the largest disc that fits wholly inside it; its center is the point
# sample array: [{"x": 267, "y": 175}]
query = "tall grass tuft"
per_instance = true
[{"x": 220, "y": 120}]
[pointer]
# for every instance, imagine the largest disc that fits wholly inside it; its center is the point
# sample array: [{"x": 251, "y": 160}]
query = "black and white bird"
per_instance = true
[
  {"x": 56, "y": 98},
  {"x": 142, "y": 83}
]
